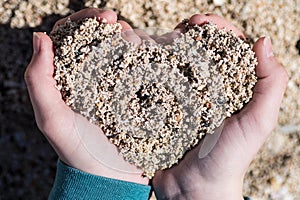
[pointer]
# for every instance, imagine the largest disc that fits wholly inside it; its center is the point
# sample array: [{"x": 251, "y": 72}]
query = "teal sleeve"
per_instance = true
[{"x": 71, "y": 183}]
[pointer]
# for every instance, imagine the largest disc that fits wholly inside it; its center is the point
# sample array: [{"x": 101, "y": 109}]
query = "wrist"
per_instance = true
[
  {"x": 199, "y": 188},
  {"x": 105, "y": 171},
  {"x": 228, "y": 189},
  {"x": 225, "y": 192}
]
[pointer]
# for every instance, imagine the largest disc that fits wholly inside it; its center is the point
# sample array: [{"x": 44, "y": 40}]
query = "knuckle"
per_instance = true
[
  {"x": 27, "y": 76},
  {"x": 284, "y": 75}
]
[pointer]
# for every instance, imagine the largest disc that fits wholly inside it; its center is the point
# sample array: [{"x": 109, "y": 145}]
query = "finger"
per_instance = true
[
  {"x": 217, "y": 20},
  {"x": 263, "y": 109},
  {"x": 131, "y": 36},
  {"x": 181, "y": 27},
  {"x": 169, "y": 37},
  {"x": 109, "y": 15},
  {"x": 45, "y": 98},
  {"x": 128, "y": 33},
  {"x": 143, "y": 35},
  {"x": 125, "y": 26}
]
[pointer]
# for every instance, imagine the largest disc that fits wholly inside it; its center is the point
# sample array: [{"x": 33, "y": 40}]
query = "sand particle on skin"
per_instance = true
[{"x": 153, "y": 101}]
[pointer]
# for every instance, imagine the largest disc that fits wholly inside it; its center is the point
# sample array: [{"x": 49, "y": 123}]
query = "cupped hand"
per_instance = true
[
  {"x": 220, "y": 174},
  {"x": 78, "y": 143}
]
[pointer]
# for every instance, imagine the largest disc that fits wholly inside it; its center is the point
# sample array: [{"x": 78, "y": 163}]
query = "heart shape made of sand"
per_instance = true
[{"x": 153, "y": 101}]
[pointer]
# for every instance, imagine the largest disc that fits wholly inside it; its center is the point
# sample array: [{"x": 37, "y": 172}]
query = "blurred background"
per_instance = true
[{"x": 28, "y": 163}]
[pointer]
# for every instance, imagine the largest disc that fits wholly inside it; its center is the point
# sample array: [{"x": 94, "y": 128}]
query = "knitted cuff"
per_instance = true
[{"x": 71, "y": 183}]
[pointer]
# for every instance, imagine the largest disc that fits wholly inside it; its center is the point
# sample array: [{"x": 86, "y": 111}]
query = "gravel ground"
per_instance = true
[{"x": 27, "y": 167}]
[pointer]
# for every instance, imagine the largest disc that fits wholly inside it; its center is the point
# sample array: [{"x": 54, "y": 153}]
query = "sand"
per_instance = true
[{"x": 154, "y": 101}]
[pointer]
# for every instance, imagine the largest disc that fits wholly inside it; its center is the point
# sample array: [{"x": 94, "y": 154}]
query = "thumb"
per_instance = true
[
  {"x": 45, "y": 98},
  {"x": 261, "y": 114}
]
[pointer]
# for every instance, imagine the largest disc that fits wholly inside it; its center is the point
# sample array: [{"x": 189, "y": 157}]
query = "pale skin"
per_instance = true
[{"x": 219, "y": 175}]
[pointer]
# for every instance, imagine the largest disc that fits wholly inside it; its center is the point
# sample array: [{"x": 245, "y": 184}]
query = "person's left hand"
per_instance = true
[{"x": 219, "y": 175}]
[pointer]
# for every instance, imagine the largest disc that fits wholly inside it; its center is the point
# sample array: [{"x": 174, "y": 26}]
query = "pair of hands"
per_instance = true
[{"x": 219, "y": 175}]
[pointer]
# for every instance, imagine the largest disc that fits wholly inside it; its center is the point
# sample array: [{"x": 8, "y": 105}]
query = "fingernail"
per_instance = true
[
  {"x": 36, "y": 42},
  {"x": 268, "y": 47}
]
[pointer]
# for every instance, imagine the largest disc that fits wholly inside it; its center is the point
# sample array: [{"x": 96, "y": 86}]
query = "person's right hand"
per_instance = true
[
  {"x": 220, "y": 174},
  {"x": 78, "y": 143}
]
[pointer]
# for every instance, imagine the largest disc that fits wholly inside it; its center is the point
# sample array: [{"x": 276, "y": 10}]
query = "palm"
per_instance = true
[
  {"x": 78, "y": 141},
  {"x": 192, "y": 170}
]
